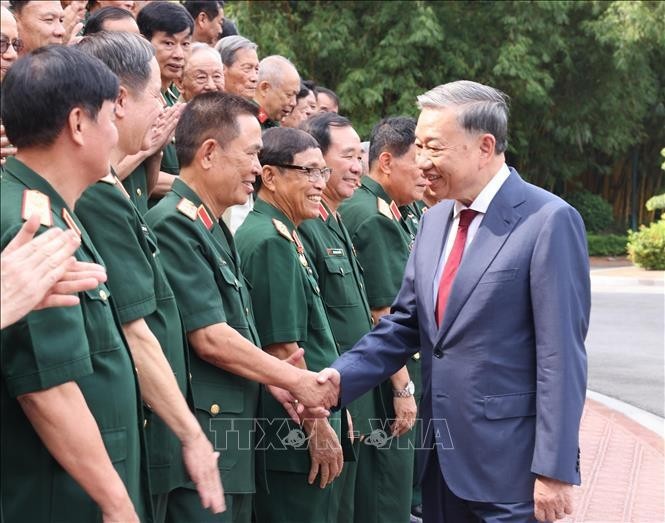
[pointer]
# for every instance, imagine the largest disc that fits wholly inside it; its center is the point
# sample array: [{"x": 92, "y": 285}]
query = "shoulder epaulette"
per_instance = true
[
  {"x": 384, "y": 208},
  {"x": 36, "y": 202},
  {"x": 205, "y": 217},
  {"x": 187, "y": 208},
  {"x": 112, "y": 179},
  {"x": 282, "y": 229}
]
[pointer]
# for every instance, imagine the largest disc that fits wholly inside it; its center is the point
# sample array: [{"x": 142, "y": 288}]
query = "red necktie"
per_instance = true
[{"x": 452, "y": 263}]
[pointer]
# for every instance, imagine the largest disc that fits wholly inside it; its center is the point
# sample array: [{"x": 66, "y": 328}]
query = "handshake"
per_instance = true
[{"x": 311, "y": 395}]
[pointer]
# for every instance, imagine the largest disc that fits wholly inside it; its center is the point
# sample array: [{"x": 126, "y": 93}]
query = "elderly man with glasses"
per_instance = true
[{"x": 290, "y": 313}]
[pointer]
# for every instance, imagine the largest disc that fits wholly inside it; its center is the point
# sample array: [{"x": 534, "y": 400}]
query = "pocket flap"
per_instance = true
[
  {"x": 217, "y": 399},
  {"x": 338, "y": 265},
  {"x": 115, "y": 441},
  {"x": 498, "y": 276},
  {"x": 510, "y": 405}
]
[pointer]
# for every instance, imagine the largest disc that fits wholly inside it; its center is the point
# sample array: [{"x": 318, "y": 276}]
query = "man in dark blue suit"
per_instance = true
[{"x": 496, "y": 296}]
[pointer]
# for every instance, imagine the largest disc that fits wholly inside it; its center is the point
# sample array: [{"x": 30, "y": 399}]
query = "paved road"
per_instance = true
[{"x": 626, "y": 341}]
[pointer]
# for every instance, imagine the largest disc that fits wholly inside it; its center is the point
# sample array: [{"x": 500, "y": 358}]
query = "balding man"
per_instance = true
[
  {"x": 279, "y": 83},
  {"x": 241, "y": 65},
  {"x": 203, "y": 73}
]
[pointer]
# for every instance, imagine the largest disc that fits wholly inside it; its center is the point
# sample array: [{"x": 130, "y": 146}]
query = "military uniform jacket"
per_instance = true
[
  {"x": 203, "y": 269},
  {"x": 288, "y": 306},
  {"x": 140, "y": 288},
  {"x": 329, "y": 248},
  {"x": 383, "y": 242},
  {"x": 136, "y": 185},
  {"x": 50, "y": 347}
]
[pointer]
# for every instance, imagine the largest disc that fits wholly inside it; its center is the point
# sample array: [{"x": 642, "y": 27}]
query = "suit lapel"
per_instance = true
[{"x": 494, "y": 230}]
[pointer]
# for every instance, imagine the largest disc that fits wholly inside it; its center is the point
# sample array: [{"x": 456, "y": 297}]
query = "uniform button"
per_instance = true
[
  {"x": 438, "y": 353},
  {"x": 246, "y": 311},
  {"x": 103, "y": 295},
  {"x": 416, "y": 356},
  {"x": 341, "y": 271},
  {"x": 214, "y": 409},
  {"x": 190, "y": 376},
  {"x": 145, "y": 423},
  {"x": 139, "y": 192}
]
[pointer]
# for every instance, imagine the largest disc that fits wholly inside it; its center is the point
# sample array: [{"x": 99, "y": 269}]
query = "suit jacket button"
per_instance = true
[{"x": 438, "y": 353}]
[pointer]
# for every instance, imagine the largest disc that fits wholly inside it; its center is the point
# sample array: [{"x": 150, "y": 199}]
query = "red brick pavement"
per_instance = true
[{"x": 622, "y": 470}]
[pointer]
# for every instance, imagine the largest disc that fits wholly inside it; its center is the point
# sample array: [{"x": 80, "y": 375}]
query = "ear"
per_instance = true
[
  {"x": 75, "y": 125},
  {"x": 487, "y": 146},
  {"x": 206, "y": 154},
  {"x": 263, "y": 86},
  {"x": 121, "y": 103},
  {"x": 268, "y": 174},
  {"x": 202, "y": 19},
  {"x": 385, "y": 162}
]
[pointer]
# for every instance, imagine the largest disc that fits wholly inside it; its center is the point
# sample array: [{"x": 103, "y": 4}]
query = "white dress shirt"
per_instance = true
[{"x": 480, "y": 204}]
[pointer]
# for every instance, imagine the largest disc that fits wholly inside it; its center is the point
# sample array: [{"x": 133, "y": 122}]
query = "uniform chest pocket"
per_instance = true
[
  {"x": 228, "y": 277},
  {"x": 338, "y": 282},
  {"x": 100, "y": 326}
]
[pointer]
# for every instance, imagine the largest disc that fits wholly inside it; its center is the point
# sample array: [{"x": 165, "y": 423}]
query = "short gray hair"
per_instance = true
[
  {"x": 229, "y": 45},
  {"x": 128, "y": 55},
  {"x": 481, "y": 108},
  {"x": 272, "y": 68}
]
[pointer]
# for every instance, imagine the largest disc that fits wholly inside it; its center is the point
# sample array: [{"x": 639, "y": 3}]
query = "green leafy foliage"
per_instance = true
[
  {"x": 607, "y": 244},
  {"x": 586, "y": 79},
  {"x": 646, "y": 247},
  {"x": 595, "y": 211}
]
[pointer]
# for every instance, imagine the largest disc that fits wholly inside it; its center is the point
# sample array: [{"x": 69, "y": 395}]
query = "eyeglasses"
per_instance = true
[
  {"x": 16, "y": 43},
  {"x": 312, "y": 173}
]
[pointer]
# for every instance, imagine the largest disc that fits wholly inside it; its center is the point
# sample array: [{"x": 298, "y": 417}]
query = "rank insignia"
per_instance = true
[
  {"x": 384, "y": 208},
  {"x": 111, "y": 179},
  {"x": 35, "y": 202},
  {"x": 334, "y": 251},
  {"x": 70, "y": 222},
  {"x": 301, "y": 249},
  {"x": 395, "y": 210},
  {"x": 205, "y": 217},
  {"x": 187, "y": 208},
  {"x": 282, "y": 229},
  {"x": 323, "y": 213}
]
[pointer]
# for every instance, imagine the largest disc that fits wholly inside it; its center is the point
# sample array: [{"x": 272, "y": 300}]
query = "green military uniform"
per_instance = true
[
  {"x": 265, "y": 120},
  {"x": 202, "y": 266},
  {"x": 82, "y": 344},
  {"x": 140, "y": 288},
  {"x": 136, "y": 185},
  {"x": 383, "y": 243},
  {"x": 329, "y": 248},
  {"x": 289, "y": 308}
]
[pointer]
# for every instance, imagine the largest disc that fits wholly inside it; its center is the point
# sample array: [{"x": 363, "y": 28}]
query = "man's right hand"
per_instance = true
[
  {"x": 318, "y": 390},
  {"x": 201, "y": 462},
  {"x": 126, "y": 514}
]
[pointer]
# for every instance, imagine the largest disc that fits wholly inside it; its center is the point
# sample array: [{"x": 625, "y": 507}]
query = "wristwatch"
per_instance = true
[{"x": 406, "y": 392}]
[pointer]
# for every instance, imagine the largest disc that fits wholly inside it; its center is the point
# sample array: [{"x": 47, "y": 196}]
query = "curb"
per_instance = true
[{"x": 646, "y": 419}]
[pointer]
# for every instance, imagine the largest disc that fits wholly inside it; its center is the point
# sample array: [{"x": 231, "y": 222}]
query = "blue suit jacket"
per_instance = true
[{"x": 504, "y": 377}]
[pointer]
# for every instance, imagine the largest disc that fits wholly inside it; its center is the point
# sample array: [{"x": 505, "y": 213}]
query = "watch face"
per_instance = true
[{"x": 411, "y": 388}]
